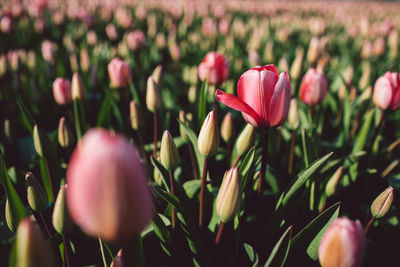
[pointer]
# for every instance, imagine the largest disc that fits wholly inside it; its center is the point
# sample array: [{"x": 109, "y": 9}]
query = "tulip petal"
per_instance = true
[
  {"x": 382, "y": 93},
  {"x": 271, "y": 68},
  {"x": 235, "y": 103},
  {"x": 395, "y": 104},
  {"x": 279, "y": 106}
]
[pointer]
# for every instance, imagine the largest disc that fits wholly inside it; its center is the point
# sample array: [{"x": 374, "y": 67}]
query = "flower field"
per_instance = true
[{"x": 199, "y": 133}]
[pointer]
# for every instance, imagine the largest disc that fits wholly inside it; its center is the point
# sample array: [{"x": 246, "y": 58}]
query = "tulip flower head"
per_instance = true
[
  {"x": 263, "y": 96},
  {"x": 62, "y": 91},
  {"x": 387, "y": 91},
  {"x": 313, "y": 87},
  {"x": 343, "y": 244},
  {"x": 214, "y": 68},
  {"x": 107, "y": 192},
  {"x": 119, "y": 72}
]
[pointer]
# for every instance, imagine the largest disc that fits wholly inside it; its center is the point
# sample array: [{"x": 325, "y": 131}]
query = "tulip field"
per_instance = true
[{"x": 199, "y": 133}]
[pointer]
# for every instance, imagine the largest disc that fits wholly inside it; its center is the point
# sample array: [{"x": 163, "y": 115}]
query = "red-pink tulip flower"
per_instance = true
[
  {"x": 343, "y": 244},
  {"x": 313, "y": 87},
  {"x": 119, "y": 72},
  {"x": 387, "y": 91},
  {"x": 135, "y": 39},
  {"x": 48, "y": 51},
  {"x": 108, "y": 195},
  {"x": 62, "y": 91},
  {"x": 214, "y": 68},
  {"x": 264, "y": 96}
]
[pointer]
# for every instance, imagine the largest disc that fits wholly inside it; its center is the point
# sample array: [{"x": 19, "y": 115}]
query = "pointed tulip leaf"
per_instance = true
[
  {"x": 251, "y": 253},
  {"x": 168, "y": 197},
  {"x": 246, "y": 166},
  {"x": 192, "y": 187},
  {"x": 281, "y": 249},
  {"x": 193, "y": 139},
  {"x": 27, "y": 117},
  {"x": 163, "y": 171}
]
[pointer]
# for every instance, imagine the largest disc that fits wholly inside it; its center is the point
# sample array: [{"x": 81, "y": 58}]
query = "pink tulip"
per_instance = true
[
  {"x": 214, "y": 68},
  {"x": 313, "y": 87},
  {"x": 343, "y": 244},
  {"x": 108, "y": 195},
  {"x": 119, "y": 72},
  {"x": 264, "y": 96},
  {"x": 135, "y": 39},
  {"x": 6, "y": 24},
  {"x": 111, "y": 32},
  {"x": 62, "y": 91},
  {"x": 48, "y": 50},
  {"x": 387, "y": 91}
]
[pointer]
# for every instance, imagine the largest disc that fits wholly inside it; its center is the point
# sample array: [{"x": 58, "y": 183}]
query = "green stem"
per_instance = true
[
  {"x": 103, "y": 256},
  {"x": 155, "y": 133},
  {"x": 263, "y": 160},
  {"x": 172, "y": 184},
  {"x": 202, "y": 192},
  {"x": 134, "y": 92},
  {"x": 77, "y": 119}
]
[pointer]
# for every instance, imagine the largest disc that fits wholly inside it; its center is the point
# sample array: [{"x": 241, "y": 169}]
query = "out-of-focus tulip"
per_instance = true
[
  {"x": 48, "y": 51},
  {"x": 84, "y": 60},
  {"x": 36, "y": 195},
  {"x": 393, "y": 42},
  {"x": 77, "y": 87},
  {"x": 61, "y": 220},
  {"x": 111, "y": 32},
  {"x": 108, "y": 195},
  {"x": 333, "y": 182},
  {"x": 313, "y": 50},
  {"x": 91, "y": 38},
  {"x": 245, "y": 139},
  {"x": 367, "y": 49},
  {"x": 153, "y": 98},
  {"x": 135, "y": 115},
  {"x": 214, "y": 68},
  {"x": 343, "y": 244},
  {"x": 32, "y": 249},
  {"x": 65, "y": 137},
  {"x": 160, "y": 40},
  {"x": 264, "y": 96},
  {"x": 3, "y": 64},
  {"x": 174, "y": 51},
  {"x": 387, "y": 91},
  {"x": 41, "y": 142},
  {"x": 135, "y": 39},
  {"x": 62, "y": 91},
  {"x": 227, "y": 128},
  {"x": 119, "y": 72},
  {"x": 118, "y": 260},
  {"x": 10, "y": 219},
  {"x": 6, "y": 24},
  {"x": 382, "y": 203},
  {"x": 208, "y": 140},
  {"x": 168, "y": 153},
  {"x": 379, "y": 46},
  {"x": 313, "y": 87},
  {"x": 293, "y": 115},
  {"x": 228, "y": 198},
  {"x": 157, "y": 74},
  {"x": 295, "y": 69},
  {"x": 183, "y": 118},
  {"x": 223, "y": 26}
]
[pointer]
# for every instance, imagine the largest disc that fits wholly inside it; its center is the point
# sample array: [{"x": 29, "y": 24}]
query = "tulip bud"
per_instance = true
[
  {"x": 168, "y": 152},
  {"x": 295, "y": 70},
  {"x": 293, "y": 115},
  {"x": 62, "y": 91},
  {"x": 107, "y": 187},
  {"x": 269, "y": 52},
  {"x": 77, "y": 87},
  {"x": 379, "y": 46},
  {"x": 10, "y": 220},
  {"x": 157, "y": 74},
  {"x": 228, "y": 198},
  {"x": 364, "y": 80},
  {"x": 343, "y": 244},
  {"x": 61, "y": 220},
  {"x": 31, "y": 61},
  {"x": 283, "y": 65},
  {"x": 393, "y": 42},
  {"x": 208, "y": 140},
  {"x": 36, "y": 195},
  {"x": 41, "y": 142},
  {"x": 183, "y": 118},
  {"x": 153, "y": 99},
  {"x": 84, "y": 60},
  {"x": 366, "y": 50},
  {"x": 118, "y": 260},
  {"x": 192, "y": 94},
  {"x": 32, "y": 249},
  {"x": 387, "y": 91},
  {"x": 313, "y": 87},
  {"x": 227, "y": 128},
  {"x": 119, "y": 72},
  {"x": 333, "y": 182},
  {"x": 136, "y": 118},
  {"x": 73, "y": 61},
  {"x": 382, "y": 203},
  {"x": 313, "y": 50},
  {"x": 245, "y": 139},
  {"x": 8, "y": 129},
  {"x": 3, "y": 65},
  {"x": 157, "y": 176},
  {"x": 65, "y": 137}
]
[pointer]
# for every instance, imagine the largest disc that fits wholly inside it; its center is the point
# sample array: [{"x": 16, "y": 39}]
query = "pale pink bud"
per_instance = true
[
  {"x": 111, "y": 32},
  {"x": 387, "y": 91},
  {"x": 313, "y": 87},
  {"x": 6, "y": 24},
  {"x": 48, "y": 51},
  {"x": 119, "y": 72},
  {"x": 62, "y": 91},
  {"x": 91, "y": 38},
  {"x": 135, "y": 39},
  {"x": 108, "y": 195},
  {"x": 343, "y": 244}
]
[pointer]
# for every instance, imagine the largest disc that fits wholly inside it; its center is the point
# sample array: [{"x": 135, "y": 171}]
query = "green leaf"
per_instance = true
[
  {"x": 305, "y": 145},
  {"x": 163, "y": 171},
  {"x": 308, "y": 239},
  {"x": 281, "y": 249},
  {"x": 303, "y": 176},
  {"x": 168, "y": 197},
  {"x": 246, "y": 166},
  {"x": 251, "y": 253},
  {"x": 192, "y": 187},
  {"x": 363, "y": 135},
  {"x": 202, "y": 110},
  {"x": 193, "y": 139},
  {"x": 27, "y": 117},
  {"x": 45, "y": 173},
  {"x": 16, "y": 206},
  {"x": 77, "y": 118},
  {"x": 104, "y": 113}
]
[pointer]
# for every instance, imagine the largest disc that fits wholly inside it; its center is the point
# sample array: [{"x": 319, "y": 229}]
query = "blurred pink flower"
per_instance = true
[
  {"x": 313, "y": 87},
  {"x": 387, "y": 91},
  {"x": 6, "y": 24},
  {"x": 62, "y": 91},
  {"x": 119, "y": 72},
  {"x": 214, "y": 68},
  {"x": 135, "y": 39},
  {"x": 48, "y": 51}
]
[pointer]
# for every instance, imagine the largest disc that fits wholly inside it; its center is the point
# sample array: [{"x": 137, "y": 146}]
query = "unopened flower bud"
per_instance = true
[
  {"x": 168, "y": 152},
  {"x": 65, "y": 137},
  {"x": 61, "y": 220},
  {"x": 32, "y": 248},
  {"x": 84, "y": 60},
  {"x": 135, "y": 115},
  {"x": 343, "y": 244},
  {"x": 192, "y": 94},
  {"x": 8, "y": 129},
  {"x": 153, "y": 99},
  {"x": 228, "y": 198},
  {"x": 157, "y": 74},
  {"x": 227, "y": 128},
  {"x": 333, "y": 182},
  {"x": 36, "y": 194},
  {"x": 245, "y": 139},
  {"x": 365, "y": 77},
  {"x": 313, "y": 50},
  {"x": 208, "y": 140},
  {"x": 293, "y": 115},
  {"x": 10, "y": 219},
  {"x": 41, "y": 142},
  {"x": 382, "y": 203},
  {"x": 283, "y": 65},
  {"x": 295, "y": 69},
  {"x": 118, "y": 260},
  {"x": 77, "y": 87},
  {"x": 182, "y": 118}
]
